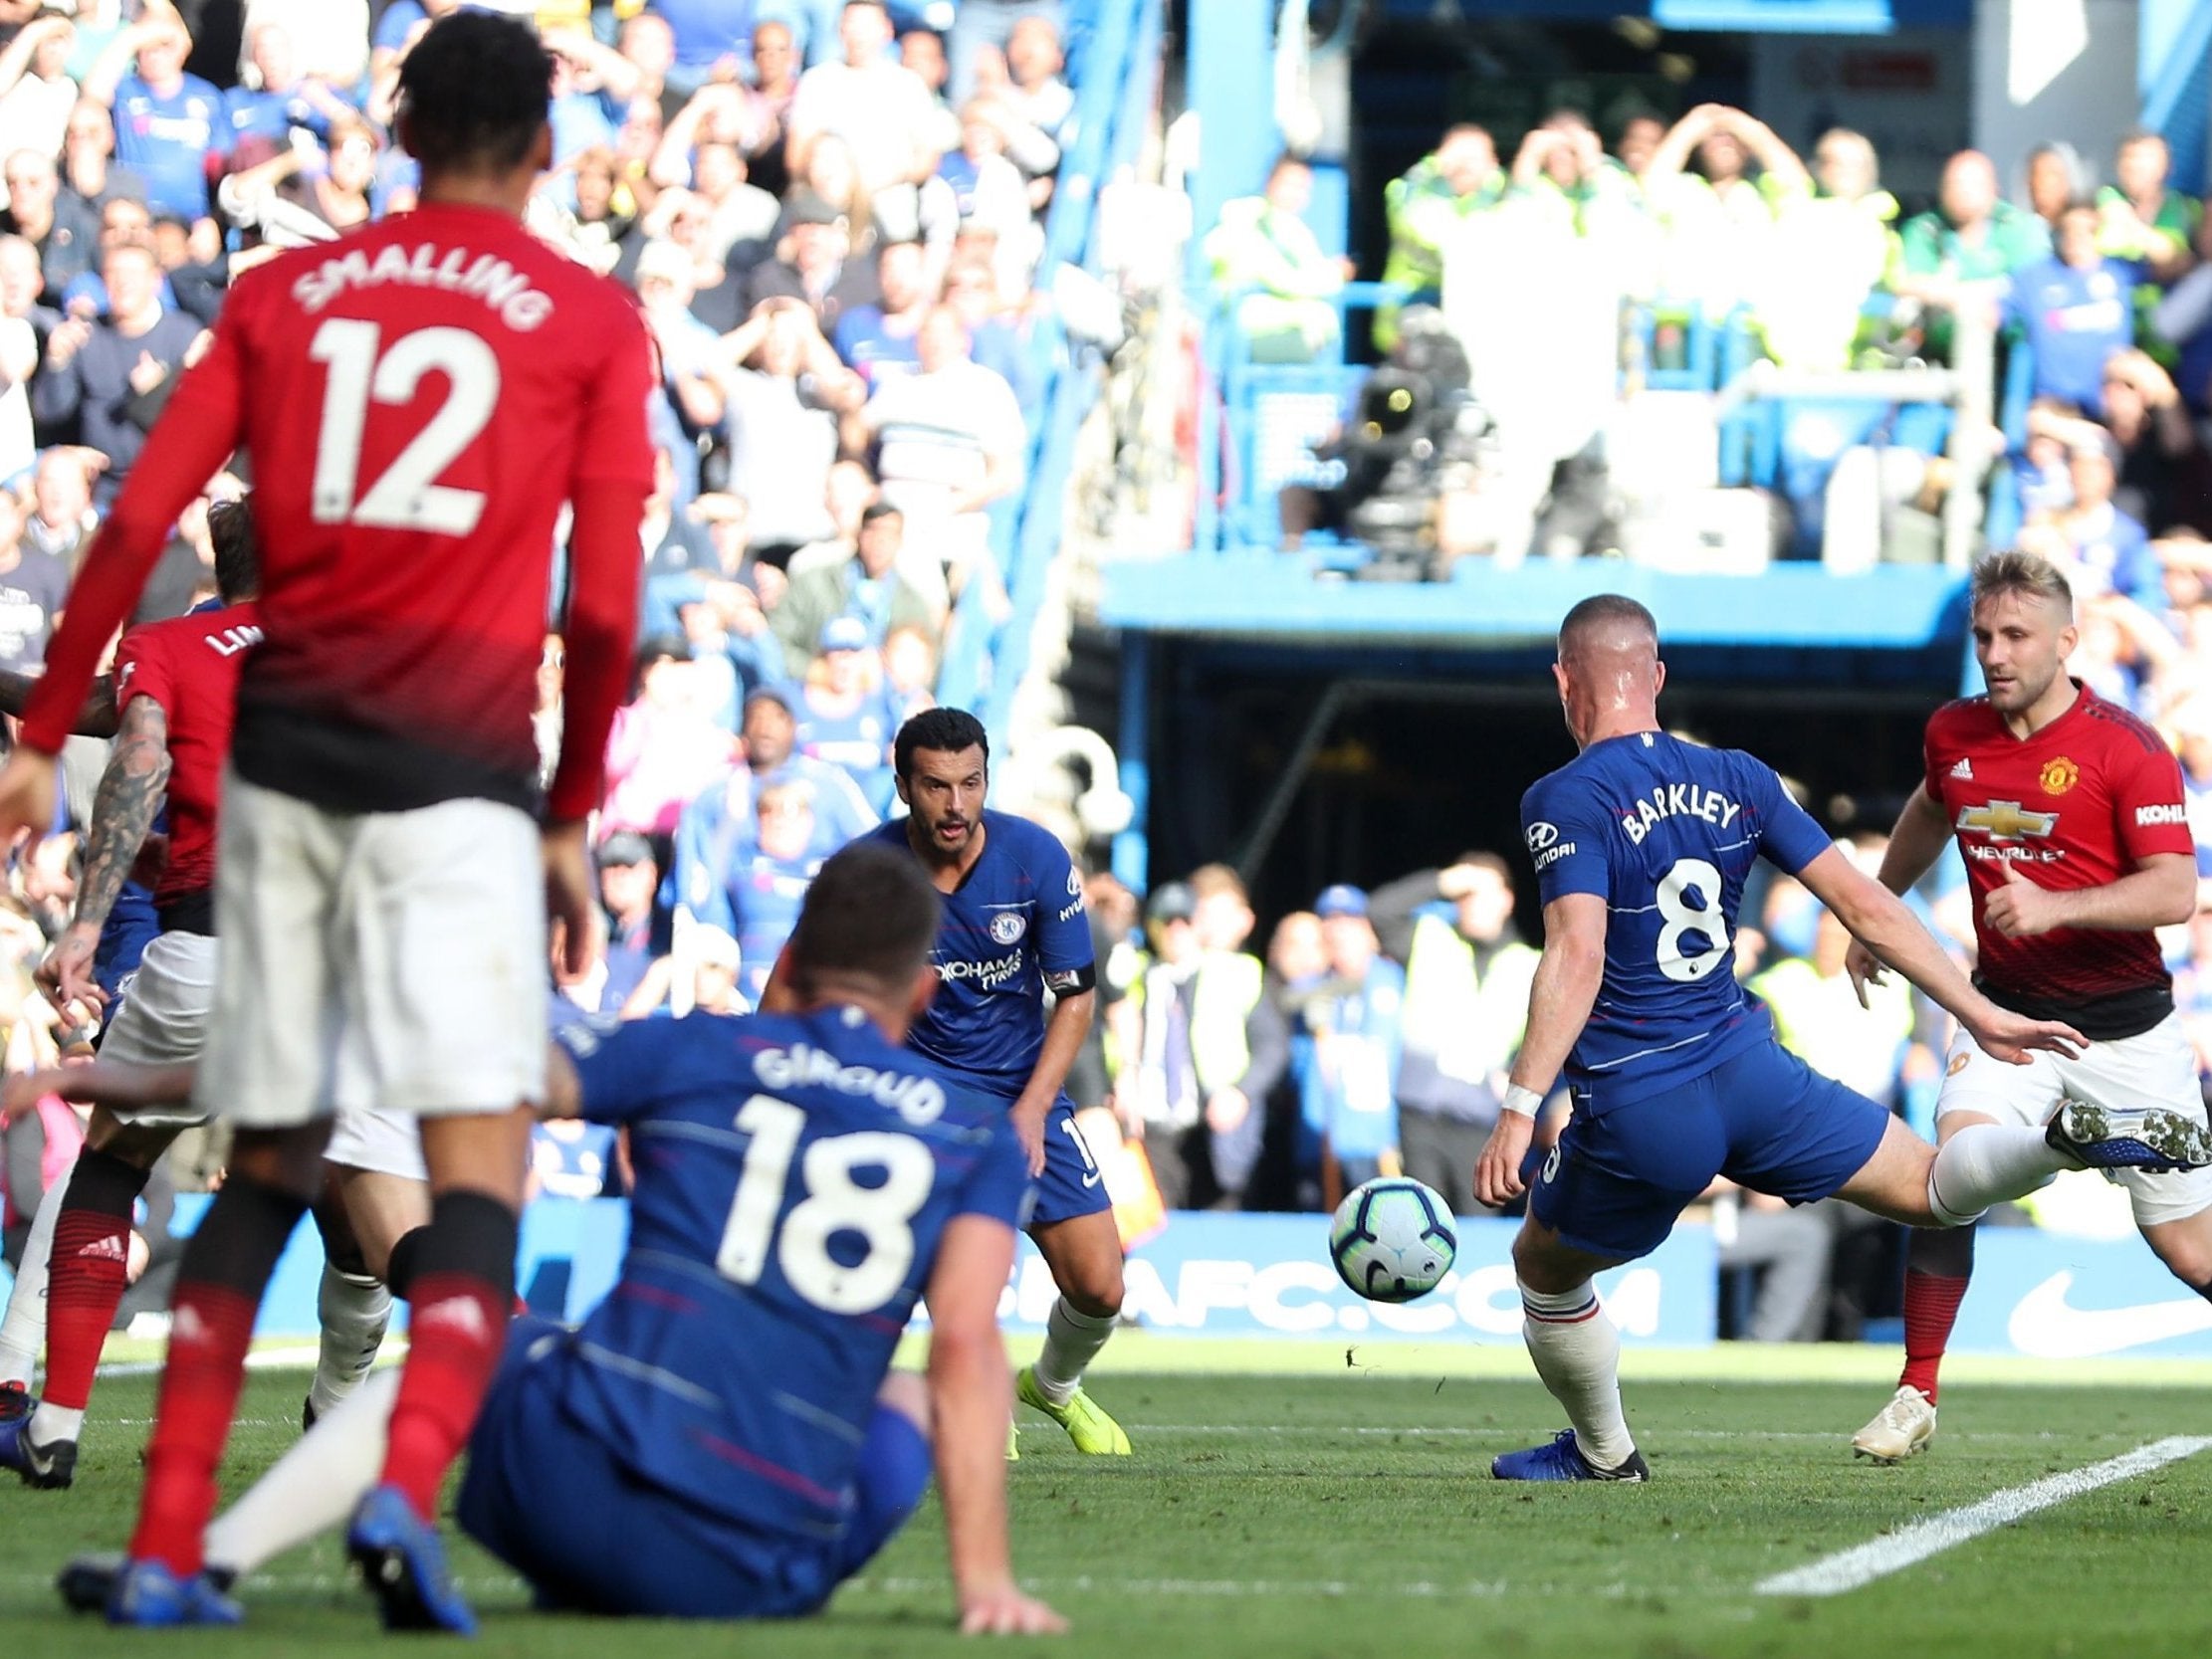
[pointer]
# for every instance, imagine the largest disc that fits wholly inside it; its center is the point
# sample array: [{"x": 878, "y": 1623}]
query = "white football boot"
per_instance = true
[{"x": 1903, "y": 1427}]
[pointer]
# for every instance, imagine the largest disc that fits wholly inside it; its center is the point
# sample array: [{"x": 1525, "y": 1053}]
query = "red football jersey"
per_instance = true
[
  {"x": 418, "y": 399},
  {"x": 189, "y": 665},
  {"x": 2078, "y": 804}
]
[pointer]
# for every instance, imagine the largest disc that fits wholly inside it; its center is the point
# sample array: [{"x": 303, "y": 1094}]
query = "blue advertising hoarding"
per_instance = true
[{"x": 2035, "y": 1295}]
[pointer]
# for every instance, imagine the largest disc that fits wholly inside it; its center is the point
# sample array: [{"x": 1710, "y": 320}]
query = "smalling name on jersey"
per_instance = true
[
  {"x": 484, "y": 277},
  {"x": 1677, "y": 800}
]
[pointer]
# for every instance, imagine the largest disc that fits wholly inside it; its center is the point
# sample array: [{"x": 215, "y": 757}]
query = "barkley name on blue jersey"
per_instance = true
[
  {"x": 795, "y": 1176},
  {"x": 1014, "y": 927},
  {"x": 1664, "y": 832}
]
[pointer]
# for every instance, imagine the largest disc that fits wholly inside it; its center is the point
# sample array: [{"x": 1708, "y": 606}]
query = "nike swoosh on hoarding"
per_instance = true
[{"x": 2049, "y": 1326}]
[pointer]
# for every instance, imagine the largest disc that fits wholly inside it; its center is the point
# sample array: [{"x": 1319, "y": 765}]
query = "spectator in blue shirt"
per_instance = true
[
  {"x": 282, "y": 100},
  {"x": 877, "y": 342},
  {"x": 1351, "y": 1088},
  {"x": 2074, "y": 310},
  {"x": 844, "y": 719},
  {"x": 167, "y": 122},
  {"x": 2101, "y": 550}
]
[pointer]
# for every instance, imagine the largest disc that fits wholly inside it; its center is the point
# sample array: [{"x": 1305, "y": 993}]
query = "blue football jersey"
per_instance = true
[
  {"x": 795, "y": 1176},
  {"x": 1664, "y": 832},
  {"x": 1016, "y": 924}
]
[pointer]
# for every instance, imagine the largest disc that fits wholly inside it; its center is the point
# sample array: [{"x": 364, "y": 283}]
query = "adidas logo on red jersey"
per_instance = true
[{"x": 1964, "y": 769}]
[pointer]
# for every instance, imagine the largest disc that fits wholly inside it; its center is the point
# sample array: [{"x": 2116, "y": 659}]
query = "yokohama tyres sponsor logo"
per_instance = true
[{"x": 990, "y": 975}]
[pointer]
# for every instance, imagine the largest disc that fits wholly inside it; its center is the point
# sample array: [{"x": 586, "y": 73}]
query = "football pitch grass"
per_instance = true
[{"x": 1291, "y": 1499}]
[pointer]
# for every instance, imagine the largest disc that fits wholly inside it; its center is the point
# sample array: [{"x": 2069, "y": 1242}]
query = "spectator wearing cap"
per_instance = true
[
  {"x": 877, "y": 106},
  {"x": 764, "y": 884},
  {"x": 785, "y": 391},
  {"x": 718, "y": 826},
  {"x": 166, "y": 120},
  {"x": 868, "y": 589},
  {"x": 2076, "y": 311},
  {"x": 690, "y": 354},
  {"x": 1467, "y": 973},
  {"x": 811, "y": 262},
  {"x": 663, "y": 749},
  {"x": 844, "y": 718},
  {"x": 2101, "y": 550},
  {"x": 1207, "y": 1045},
  {"x": 1351, "y": 1099},
  {"x": 629, "y": 881}
]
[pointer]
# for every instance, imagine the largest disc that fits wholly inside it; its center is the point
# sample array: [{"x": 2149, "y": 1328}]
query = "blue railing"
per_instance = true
[{"x": 1115, "y": 78}]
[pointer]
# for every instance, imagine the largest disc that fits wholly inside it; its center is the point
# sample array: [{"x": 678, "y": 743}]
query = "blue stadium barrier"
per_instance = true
[{"x": 1114, "y": 81}]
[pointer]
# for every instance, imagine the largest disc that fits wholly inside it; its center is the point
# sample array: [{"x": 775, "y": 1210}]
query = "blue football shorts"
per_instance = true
[
  {"x": 1072, "y": 1183},
  {"x": 552, "y": 1499},
  {"x": 1627, "y": 1165}
]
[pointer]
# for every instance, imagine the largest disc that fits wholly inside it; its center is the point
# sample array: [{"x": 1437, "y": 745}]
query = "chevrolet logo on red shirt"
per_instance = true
[{"x": 2005, "y": 821}]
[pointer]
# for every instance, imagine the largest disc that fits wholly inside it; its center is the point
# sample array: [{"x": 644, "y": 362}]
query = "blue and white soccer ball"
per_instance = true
[{"x": 1392, "y": 1239}]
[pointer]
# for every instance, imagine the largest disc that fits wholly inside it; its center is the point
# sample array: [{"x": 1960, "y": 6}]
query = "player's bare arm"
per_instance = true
[
  {"x": 2162, "y": 891},
  {"x": 1916, "y": 842},
  {"x": 109, "y": 1083},
  {"x": 1565, "y": 990},
  {"x": 971, "y": 1398},
  {"x": 124, "y": 810},
  {"x": 1878, "y": 919},
  {"x": 1065, "y": 1031},
  {"x": 95, "y": 719}
]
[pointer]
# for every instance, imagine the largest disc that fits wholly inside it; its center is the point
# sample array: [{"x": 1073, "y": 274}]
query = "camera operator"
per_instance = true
[{"x": 1411, "y": 458}]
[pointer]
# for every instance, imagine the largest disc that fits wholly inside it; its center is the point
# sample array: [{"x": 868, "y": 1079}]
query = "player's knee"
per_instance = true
[
  {"x": 2186, "y": 1248},
  {"x": 1539, "y": 1264},
  {"x": 1097, "y": 1295}
]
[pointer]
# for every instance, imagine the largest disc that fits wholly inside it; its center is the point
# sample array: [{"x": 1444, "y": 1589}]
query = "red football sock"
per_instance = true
[
  {"x": 210, "y": 1327},
  {"x": 84, "y": 1282},
  {"x": 455, "y": 1333},
  {"x": 1930, "y": 1310}
]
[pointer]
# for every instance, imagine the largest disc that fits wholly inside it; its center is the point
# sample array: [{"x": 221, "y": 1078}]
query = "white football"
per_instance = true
[{"x": 1392, "y": 1239}]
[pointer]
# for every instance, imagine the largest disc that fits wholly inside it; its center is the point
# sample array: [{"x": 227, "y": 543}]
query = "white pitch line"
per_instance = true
[
  {"x": 1462, "y": 1431},
  {"x": 1910, "y": 1545}
]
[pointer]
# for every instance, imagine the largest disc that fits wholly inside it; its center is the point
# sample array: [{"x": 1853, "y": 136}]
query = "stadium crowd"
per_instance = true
[
  {"x": 1576, "y": 276},
  {"x": 830, "y": 214}
]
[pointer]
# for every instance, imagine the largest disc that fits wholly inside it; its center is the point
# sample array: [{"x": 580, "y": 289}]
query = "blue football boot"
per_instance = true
[
  {"x": 403, "y": 1563},
  {"x": 148, "y": 1595},
  {"x": 1561, "y": 1459}
]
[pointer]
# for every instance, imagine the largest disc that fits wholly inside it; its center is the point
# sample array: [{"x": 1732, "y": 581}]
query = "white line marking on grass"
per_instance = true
[
  {"x": 1910, "y": 1545},
  {"x": 1450, "y": 1431}
]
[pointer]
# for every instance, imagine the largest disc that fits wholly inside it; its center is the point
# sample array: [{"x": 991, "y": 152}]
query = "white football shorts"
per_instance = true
[
  {"x": 378, "y": 1141},
  {"x": 164, "y": 1016},
  {"x": 393, "y": 960},
  {"x": 2128, "y": 1074}
]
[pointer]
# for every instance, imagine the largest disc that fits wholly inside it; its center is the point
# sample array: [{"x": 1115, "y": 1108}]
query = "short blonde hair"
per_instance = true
[{"x": 2014, "y": 571}]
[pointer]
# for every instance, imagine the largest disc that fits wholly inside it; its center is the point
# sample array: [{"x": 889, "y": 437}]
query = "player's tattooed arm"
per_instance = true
[
  {"x": 95, "y": 717},
  {"x": 124, "y": 809}
]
